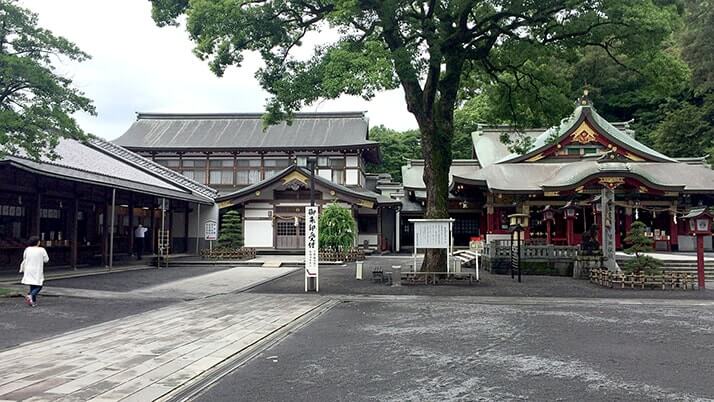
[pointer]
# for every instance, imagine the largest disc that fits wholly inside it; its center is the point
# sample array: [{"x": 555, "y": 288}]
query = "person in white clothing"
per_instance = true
[
  {"x": 139, "y": 234},
  {"x": 33, "y": 269}
]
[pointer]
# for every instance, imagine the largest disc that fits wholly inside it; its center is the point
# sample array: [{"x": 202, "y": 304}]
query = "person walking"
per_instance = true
[
  {"x": 33, "y": 269},
  {"x": 139, "y": 234}
]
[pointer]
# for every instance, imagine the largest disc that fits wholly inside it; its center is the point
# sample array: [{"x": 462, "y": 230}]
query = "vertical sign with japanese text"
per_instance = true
[{"x": 311, "y": 245}]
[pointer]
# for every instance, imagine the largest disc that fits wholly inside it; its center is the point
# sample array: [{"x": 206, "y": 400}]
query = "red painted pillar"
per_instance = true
[
  {"x": 570, "y": 230},
  {"x": 700, "y": 261},
  {"x": 673, "y": 231},
  {"x": 547, "y": 234}
]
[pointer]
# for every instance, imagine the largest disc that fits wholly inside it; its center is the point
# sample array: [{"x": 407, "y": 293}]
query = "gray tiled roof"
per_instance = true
[
  {"x": 534, "y": 176},
  {"x": 354, "y": 191},
  {"x": 154, "y": 167},
  {"x": 616, "y": 135},
  {"x": 246, "y": 131},
  {"x": 413, "y": 172},
  {"x": 93, "y": 163}
]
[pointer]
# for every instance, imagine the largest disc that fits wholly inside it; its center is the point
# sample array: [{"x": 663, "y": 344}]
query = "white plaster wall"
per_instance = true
[
  {"x": 372, "y": 238},
  {"x": 352, "y": 177},
  {"x": 258, "y": 233},
  {"x": 352, "y": 161},
  {"x": 207, "y": 212},
  {"x": 325, "y": 174}
]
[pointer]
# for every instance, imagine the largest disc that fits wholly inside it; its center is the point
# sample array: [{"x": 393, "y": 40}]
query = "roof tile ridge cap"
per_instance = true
[{"x": 136, "y": 158}]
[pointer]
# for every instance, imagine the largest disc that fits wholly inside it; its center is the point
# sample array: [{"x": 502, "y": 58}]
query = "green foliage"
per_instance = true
[
  {"x": 231, "y": 230},
  {"x": 337, "y": 228},
  {"x": 697, "y": 44},
  {"x": 36, "y": 104},
  {"x": 639, "y": 243},
  {"x": 396, "y": 148}
]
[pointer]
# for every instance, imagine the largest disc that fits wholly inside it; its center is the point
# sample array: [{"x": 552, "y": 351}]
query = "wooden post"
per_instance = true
[
  {"x": 105, "y": 237},
  {"x": 185, "y": 229},
  {"x": 547, "y": 228},
  {"x": 75, "y": 234},
  {"x": 131, "y": 223},
  {"x": 673, "y": 229},
  {"x": 700, "y": 261},
  {"x": 38, "y": 218},
  {"x": 379, "y": 229},
  {"x": 570, "y": 230},
  {"x": 111, "y": 229}
]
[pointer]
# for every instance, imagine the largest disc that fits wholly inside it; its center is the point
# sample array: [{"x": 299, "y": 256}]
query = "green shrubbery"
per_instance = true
[
  {"x": 639, "y": 243},
  {"x": 337, "y": 228},
  {"x": 231, "y": 230}
]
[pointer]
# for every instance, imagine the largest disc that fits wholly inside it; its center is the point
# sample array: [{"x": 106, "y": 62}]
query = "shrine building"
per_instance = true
[{"x": 559, "y": 180}]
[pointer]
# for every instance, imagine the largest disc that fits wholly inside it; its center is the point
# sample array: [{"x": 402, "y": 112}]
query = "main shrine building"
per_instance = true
[
  {"x": 264, "y": 171},
  {"x": 561, "y": 177}
]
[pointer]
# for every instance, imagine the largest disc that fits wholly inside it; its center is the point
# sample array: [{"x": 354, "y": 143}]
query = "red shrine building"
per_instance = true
[{"x": 559, "y": 180}]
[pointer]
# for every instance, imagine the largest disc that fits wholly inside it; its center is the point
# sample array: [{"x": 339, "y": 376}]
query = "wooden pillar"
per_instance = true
[
  {"x": 548, "y": 230},
  {"x": 131, "y": 223},
  {"x": 171, "y": 225},
  {"x": 673, "y": 229},
  {"x": 38, "y": 209},
  {"x": 105, "y": 232},
  {"x": 185, "y": 228},
  {"x": 152, "y": 228},
  {"x": 570, "y": 230},
  {"x": 526, "y": 209},
  {"x": 379, "y": 229},
  {"x": 75, "y": 234}
]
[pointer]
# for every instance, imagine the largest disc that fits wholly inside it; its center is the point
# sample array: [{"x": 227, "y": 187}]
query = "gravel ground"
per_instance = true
[
  {"x": 20, "y": 323},
  {"x": 340, "y": 280},
  {"x": 374, "y": 351},
  {"x": 132, "y": 280}
]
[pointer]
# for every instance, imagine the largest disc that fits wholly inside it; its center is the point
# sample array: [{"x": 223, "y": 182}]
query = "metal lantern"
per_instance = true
[
  {"x": 700, "y": 221},
  {"x": 548, "y": 213},
  {"x": 518, "y": 220}
]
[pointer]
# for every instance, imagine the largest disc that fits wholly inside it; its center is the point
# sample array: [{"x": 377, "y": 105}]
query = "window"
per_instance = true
[
  {"x": 338, "y": 176},
  {"x": 170, "y": 163},
  {"x": 221, "y": 171},
  {"x": 337, "y": 163},
  {"x": 195, "y": 169},
  {"x": 302, "y": 161},
  {"x": 248, "y": 170}
]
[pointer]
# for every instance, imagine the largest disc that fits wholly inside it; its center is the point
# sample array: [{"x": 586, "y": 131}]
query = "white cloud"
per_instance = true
[{"x": 137, "y": 66}]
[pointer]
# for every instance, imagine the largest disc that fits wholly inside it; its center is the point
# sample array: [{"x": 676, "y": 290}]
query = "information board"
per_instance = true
[
  {"x": 211, "y": 230},
  {"x": 312, "y": 245},
  {"x": 432, "y": 233}
]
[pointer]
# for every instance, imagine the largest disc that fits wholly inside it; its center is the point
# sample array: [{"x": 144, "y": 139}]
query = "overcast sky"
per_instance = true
[{"x": 138, "y": 67}]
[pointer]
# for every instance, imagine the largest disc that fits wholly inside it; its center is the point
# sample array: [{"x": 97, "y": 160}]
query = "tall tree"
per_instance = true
[
  {"x": 36, "y": 103},
  {"x": 423, "y": 46}
]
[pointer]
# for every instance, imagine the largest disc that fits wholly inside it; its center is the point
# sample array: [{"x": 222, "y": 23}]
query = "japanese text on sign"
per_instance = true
[
  {"x": 311, "y": 242},
  {"x": 211, "y": 229},
  {"x": 431, "y": 234}
]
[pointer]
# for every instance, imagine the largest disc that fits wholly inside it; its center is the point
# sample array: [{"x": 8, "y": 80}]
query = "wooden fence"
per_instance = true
[{"x": 663, "y": 280}]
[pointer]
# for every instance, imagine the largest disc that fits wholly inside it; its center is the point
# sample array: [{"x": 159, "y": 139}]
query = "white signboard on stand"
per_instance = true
[
  {"x": 433, "y": 233},
  {"x": 312, "y": 247},
  {"x": 211, "y": 230}
]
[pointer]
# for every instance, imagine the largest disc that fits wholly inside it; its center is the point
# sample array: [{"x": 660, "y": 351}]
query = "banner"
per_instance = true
[{"x": 312, "y": 245}]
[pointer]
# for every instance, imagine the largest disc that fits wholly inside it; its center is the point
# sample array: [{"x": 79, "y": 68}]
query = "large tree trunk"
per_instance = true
[{"x": 436, "y": 138}]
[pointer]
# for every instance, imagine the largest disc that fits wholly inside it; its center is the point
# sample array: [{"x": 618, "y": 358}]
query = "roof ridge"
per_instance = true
[
  {"x": 249, "y": 115},
  {"x": 153, "y": 167}
]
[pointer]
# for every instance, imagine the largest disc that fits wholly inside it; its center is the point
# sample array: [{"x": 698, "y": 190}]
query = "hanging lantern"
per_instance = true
[{"x": 548, "y": 213}]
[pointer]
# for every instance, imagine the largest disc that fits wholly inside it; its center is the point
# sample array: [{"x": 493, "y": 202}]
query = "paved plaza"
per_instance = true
[
  {"x": 147, "y": 355},
  {"x": 251, "y": 333}
]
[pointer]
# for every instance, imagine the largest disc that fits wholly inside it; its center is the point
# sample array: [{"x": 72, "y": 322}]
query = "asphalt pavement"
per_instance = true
[{"x": 398, "y": 351}]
